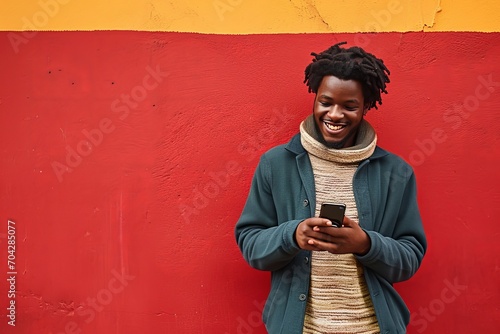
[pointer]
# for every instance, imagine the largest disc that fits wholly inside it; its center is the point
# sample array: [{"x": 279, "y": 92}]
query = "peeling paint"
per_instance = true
[{"x": 438, "y": 9}]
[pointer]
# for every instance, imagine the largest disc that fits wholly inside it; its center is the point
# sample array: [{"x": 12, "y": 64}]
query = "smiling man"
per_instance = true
[{"x": 326, "y": 279}]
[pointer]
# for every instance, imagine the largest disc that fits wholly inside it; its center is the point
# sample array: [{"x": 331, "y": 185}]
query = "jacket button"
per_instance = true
[
  {"x": 302, "y": 297},
  {"x": 305, "y": 202},
  {"x": 306, "y": 260}
]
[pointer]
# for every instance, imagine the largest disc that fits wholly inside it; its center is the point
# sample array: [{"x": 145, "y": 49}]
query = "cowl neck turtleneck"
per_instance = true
[{"x": 363, "y": 148}]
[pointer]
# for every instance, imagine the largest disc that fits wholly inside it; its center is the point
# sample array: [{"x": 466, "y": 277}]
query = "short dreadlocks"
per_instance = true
[{"x": 353, "y": 63}]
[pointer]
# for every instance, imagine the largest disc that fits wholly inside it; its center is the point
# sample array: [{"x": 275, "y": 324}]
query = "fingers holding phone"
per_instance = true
[
  {"x": 309, "y": 229},
  {"x": 310, "y": 235}
]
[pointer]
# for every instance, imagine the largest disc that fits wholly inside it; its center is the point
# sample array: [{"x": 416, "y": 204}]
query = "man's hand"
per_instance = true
[
  {"x": 318, "y": 234},
  {"x": 309, "y": 230}
]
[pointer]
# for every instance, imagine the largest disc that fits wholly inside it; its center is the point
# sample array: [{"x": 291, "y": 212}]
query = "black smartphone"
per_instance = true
[{"x": 333, "y": 211}]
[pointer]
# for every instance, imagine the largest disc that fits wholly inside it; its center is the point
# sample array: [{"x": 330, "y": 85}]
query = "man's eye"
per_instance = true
[
  {"x": 325, "y": 104},
  {"x": 350, "y": 108}
]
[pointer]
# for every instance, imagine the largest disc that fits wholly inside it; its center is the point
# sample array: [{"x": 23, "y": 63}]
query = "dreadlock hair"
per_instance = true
[{"x": 353, "y": 63}]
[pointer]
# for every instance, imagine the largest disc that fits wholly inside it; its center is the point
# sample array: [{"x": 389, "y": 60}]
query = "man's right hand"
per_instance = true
[{"x": 306, "y": 234}]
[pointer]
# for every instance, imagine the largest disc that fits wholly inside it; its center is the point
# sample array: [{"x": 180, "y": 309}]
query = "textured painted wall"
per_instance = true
[{"x": 126, "y": 157}]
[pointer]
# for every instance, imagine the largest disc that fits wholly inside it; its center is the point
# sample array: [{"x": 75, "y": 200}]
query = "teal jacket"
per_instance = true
[{"x": 282, "y": 194}]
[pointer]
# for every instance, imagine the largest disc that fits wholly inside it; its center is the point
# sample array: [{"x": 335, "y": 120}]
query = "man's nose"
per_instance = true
[{"x": 336, "y": 112}]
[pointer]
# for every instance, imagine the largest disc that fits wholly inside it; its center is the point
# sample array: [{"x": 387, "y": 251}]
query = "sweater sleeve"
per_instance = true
[
  {"x": 396, "y": 256},
  {"x": 265, "y": 243}
]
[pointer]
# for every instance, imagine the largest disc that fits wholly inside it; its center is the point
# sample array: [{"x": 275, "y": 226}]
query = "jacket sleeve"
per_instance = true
[
  {"x": 398, "y": 249},
  {"x": 265, "y": 243}
]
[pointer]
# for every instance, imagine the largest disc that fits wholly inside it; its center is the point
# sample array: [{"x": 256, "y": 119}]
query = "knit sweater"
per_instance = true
[{"x": 339, "y": 300}]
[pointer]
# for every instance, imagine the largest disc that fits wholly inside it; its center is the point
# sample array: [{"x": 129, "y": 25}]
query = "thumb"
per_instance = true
[{"x": 348, "y": 222}]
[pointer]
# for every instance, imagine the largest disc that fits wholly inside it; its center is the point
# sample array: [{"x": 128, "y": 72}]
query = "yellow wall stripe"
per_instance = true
[{"x": 252, "y": 16}]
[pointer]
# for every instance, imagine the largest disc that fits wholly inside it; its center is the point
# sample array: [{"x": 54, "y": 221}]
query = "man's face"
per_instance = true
[{"x": 338, "y": 111}]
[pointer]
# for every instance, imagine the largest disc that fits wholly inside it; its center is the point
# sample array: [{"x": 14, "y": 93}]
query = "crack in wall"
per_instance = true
[{"x": 312, "y": 11}]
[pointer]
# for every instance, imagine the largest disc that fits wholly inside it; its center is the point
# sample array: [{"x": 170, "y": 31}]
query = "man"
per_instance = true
[{"x": 326, "y": 279}]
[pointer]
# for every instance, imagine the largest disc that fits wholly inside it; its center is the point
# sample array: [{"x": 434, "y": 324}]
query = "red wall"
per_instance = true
[{"x": 126, "y": 158}]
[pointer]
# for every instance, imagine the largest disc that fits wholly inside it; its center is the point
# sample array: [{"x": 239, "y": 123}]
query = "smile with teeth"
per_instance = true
[{"x": 333, "y": 127}]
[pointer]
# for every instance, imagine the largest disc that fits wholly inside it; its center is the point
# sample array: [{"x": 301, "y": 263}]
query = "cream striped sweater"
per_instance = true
[{"x": 339, "y": 301}]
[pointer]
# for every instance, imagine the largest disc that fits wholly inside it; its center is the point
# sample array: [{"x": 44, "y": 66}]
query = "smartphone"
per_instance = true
[{"x": 333, "y": 211}]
